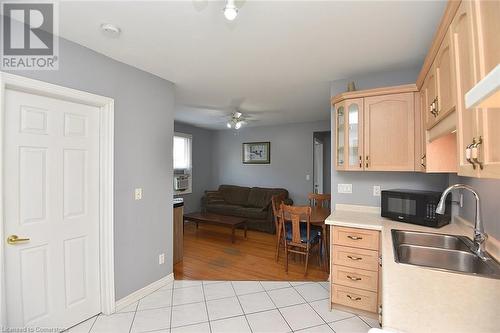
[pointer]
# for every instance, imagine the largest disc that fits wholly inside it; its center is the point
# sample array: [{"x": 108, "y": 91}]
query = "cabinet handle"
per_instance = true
[
  {"x": 360, "y": 161},
  {"x": 475, "y": 152},
  {"x": 422, "y": 160},
  {"x": 367, "y": 160},
  {"x": 468, "y": 153},
  {"x": 353, "y": 298},
  {"x": 353, "y": 278},
  {"x": 354, "y": 258},
  {"x": 354, "y": 237}
]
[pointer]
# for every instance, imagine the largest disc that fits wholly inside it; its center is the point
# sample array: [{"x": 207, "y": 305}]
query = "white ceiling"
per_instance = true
[{"x": 274, "y": 62}]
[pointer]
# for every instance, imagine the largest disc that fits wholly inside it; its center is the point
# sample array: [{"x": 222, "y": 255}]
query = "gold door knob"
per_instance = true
[{"x": 14, "y": 239}]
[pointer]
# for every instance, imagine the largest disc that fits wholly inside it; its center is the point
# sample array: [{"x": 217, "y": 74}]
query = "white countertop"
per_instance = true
[{"x": 418, "y": 299}]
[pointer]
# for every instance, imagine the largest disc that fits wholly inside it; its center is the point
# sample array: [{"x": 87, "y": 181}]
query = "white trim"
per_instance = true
[
  {"x": 143, "y": 292},
  {"x": 106, "y": 146},
  {"x": 486, "y": 93}
]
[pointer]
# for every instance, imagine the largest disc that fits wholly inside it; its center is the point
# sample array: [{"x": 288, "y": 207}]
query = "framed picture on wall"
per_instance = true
[{"x": 256, "y": 153}]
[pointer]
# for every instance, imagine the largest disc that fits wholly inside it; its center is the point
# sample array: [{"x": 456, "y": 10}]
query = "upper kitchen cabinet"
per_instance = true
[
  {"x": 487, "y": 28},
  {"x": 349, "y": 134},
  {"x": 340, "y": 125},
  {"x": 487, "y": 25},
  {"x": 438, "y": 86},
  {"x": 354, "y": 134},
  {"x": 429, "y": 99},
  {"x": 465, "y": 55},
  {"x": 375, "y": 129},
  {"x": 445, "y": 78},
  {"x": 389, "y": 132},
  {"x": 466, "y": 47}
]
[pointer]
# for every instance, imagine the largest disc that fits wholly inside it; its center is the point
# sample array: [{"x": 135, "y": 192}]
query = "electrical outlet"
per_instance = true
[
  {"x": 376, "y": 190},
  {"x": 138, "y": 194},
  {"x": 344, "y": 188},
  {"x": 161, "y": 259}
]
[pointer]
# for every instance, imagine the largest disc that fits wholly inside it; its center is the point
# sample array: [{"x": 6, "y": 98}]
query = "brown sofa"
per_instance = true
[{"x": 254, "y": 203}]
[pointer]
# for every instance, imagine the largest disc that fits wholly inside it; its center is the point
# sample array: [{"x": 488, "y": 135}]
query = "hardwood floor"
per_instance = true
[{"x": 209, "y": 255}]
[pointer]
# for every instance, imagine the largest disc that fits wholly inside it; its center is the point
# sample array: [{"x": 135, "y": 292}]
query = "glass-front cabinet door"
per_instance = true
[
  {"x": 340, "y": 117},
  {"x": 354, "y": 130}
]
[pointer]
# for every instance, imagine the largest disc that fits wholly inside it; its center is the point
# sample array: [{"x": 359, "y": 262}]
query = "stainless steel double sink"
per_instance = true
[{"x": 444, "y": 252}]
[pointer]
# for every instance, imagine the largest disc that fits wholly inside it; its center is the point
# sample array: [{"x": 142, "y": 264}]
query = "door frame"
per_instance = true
[
  {"x": 318, "y": 166},
  {"x": 106, "y": 176}
]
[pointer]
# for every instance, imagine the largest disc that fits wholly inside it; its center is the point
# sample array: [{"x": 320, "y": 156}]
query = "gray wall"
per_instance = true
[
  {"x": 291, "y": 158},
  {"x": 363, "y": 182},
  {"x": 489, "y": 192},
  {"x": 202, "y": 155},
  {"x": 144, "y": 106}
]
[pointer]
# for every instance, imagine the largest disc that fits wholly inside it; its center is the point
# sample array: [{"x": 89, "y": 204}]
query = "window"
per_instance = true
[
  {"x": 182, "y": 151},
  {"x": 182, "y": 163}
]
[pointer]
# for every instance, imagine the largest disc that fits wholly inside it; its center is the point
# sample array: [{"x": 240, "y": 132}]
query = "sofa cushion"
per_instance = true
[
  {"x": 261, "y": 197},
  {"x": 257, "y": 197},
  {"x": 235, "y": 195}
]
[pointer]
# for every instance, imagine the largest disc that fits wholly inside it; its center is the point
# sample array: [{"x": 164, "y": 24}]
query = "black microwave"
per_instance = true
[{"x": 414, "y": 206}]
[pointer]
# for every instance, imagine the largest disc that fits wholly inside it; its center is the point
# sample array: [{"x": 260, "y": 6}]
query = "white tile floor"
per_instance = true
[{"x": 232, "y": 307}]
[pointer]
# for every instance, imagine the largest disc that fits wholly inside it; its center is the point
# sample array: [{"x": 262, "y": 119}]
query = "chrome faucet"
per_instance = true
[{"x": 479, "y": 235}]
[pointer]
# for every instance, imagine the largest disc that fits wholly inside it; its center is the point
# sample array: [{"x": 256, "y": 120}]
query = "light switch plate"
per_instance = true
[
  {"x": 344, "y": 188},
  {"x": 308, "y": 177},
  {"x": 161, "y": 259},
  {"x": 138, "y": 194},
  {"x": 376, "y": 190}
]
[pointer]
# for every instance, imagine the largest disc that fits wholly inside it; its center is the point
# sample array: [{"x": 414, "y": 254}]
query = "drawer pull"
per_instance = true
[
  {"x": 354, "y": 258},
  {"x": 353, "y": 298},
  {"x": 353, "y": 278},
  {"x": 354, "y": 237}
]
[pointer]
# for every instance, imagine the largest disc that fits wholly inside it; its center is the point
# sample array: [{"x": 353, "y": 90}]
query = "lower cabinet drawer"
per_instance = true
[
  {"x": 361, "y": 238},
  {"x": 354, "y": 298},
  {"x": 353, "y": 277},
  {"x": 353, "y": 257}
]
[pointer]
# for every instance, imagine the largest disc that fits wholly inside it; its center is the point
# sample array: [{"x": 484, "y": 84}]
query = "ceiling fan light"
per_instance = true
[
  {"x": 228, "y": 125},
  {"x": 230, "y": 10},
  {"x": 238, "y": 125}
]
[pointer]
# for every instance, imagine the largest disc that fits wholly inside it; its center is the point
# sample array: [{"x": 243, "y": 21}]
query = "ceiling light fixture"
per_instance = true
[
  {"x": 230, "y": 10},
  {"x": 110, "y": 30},
  {"x": 236, "y": 121}
]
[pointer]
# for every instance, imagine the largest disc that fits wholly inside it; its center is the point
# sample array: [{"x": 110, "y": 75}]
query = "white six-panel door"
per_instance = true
[{"x": 51, "y": 172}]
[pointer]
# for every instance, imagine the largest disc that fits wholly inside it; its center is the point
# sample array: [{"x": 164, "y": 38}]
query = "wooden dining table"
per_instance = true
[{"x": 318, "y": 218}]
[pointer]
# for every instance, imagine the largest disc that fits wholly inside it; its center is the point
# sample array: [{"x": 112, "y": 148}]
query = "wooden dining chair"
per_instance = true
[
  {"x": 299, "y": 235},
  {"x": 319, "y": 200},
  {"x": 276, "y": 201}
]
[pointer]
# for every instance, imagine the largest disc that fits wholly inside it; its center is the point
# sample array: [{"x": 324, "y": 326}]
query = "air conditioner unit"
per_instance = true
[{"x": 181, "y": 182}]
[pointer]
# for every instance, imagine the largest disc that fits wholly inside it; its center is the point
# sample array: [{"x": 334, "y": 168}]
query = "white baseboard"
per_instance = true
[{"x": 138, "y": 294}]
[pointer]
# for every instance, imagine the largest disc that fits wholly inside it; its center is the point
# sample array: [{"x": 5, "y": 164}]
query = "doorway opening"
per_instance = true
[{"x": 322, "y": 162}]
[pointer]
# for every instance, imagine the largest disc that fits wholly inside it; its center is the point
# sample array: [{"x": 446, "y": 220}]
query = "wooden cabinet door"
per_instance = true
[
  {"x": 464, "y": 50},
  {"x": 429, "y": 90},
  {"x": 389, "y": 132},
  {"x": 487, "y": 23},
  {"x": 354, "y": 132},
  {"x": 445, "y": 78},
  {"x": 340, "y": 136},
  {"x": 487, "y": 16},
  {"x": 420, "y": 140}
]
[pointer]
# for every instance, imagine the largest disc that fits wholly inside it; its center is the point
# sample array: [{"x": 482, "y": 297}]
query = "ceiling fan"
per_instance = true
[{"x": 236, "y": 120}]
